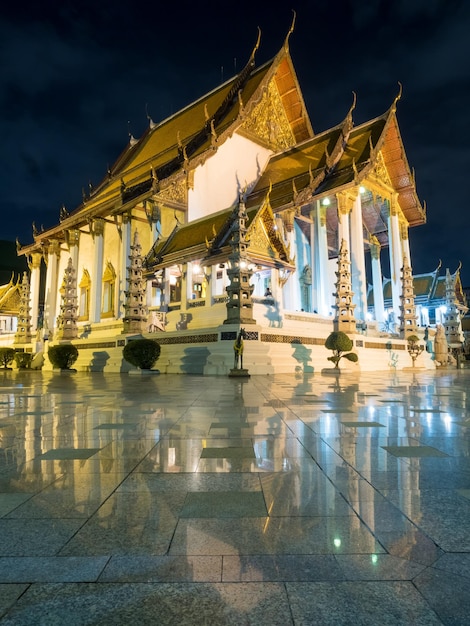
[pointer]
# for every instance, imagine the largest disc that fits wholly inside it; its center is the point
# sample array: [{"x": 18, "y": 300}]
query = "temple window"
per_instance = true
[
  {"x": 198, "y": 281},
  {"x": 109, "y": 289},
  {"x": 84, "y": 297},
  {"x": 175, "y": 283}
]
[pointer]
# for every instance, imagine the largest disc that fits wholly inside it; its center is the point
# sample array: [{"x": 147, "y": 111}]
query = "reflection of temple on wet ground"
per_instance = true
[{"x": 268, "y": 500}]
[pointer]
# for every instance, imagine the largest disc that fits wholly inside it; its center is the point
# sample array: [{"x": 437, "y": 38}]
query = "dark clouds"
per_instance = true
[{"x": 78, "y": 77}]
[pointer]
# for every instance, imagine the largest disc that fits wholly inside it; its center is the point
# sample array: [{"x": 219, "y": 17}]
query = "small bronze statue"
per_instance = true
[{"x": 238, "y": 350}]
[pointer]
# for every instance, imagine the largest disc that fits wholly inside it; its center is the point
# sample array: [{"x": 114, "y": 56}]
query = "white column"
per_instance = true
[
  {"x": 405, "y": 242},
  {"x": 52, "y": 287},
  {"x": 313, "y": 244},
  {"x": 74, "y": 240},
  {"x": 344, "y": 208},
  {"x": 35, "y": 268},
  {"x": 97, "y": 276},
  {"x": 377, "y": 281},
  {"x": 289, "y": 292},
  {"x": 324, "y": 290},
  {"x": 396, "y": 259},
  {"x": 126, "y": 227},
  {"x": 358, "y": 263}
]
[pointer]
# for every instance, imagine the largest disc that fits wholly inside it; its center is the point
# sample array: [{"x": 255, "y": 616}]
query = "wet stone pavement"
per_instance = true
[{"x": 192, "y": 500}]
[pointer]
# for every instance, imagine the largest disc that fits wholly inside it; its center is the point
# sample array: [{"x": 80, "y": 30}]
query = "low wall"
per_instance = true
[{"x": 296, "y": 346}]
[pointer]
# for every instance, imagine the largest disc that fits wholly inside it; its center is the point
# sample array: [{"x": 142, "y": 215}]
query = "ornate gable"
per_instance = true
[
  {"x": 265, "y": 244},
  {"x": 268, "y": 121}
]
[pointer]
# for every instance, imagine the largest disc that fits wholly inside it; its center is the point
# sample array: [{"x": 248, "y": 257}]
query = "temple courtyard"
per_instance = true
[{"x": 187, "y": 500}]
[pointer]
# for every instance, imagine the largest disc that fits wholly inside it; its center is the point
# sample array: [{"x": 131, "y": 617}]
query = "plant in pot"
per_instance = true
[
  {"x": 142, "y": 353},
  {"x": 6, "y": 358},
  {"x": 23, "y": 360},
  {"x": 63, "y": 356},
  {"x": 413, "y": 347},
  {"x": 340, "y": 344}
]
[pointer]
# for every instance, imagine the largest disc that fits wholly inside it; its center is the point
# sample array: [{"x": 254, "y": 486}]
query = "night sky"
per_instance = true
[{"x": 77, "y": 78}]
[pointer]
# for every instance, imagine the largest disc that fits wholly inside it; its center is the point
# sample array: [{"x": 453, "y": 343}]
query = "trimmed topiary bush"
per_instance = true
[
  {"x": 340, "y": 344},
  {"x": 23, "y": 360},
  {"x": 62, "y": 356},
  {"x": 6, "y": 357},
  {"x": 142, "y": 353}
]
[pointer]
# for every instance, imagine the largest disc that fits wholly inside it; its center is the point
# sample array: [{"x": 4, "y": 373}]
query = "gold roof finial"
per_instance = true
[
  {"x": 253, "y": 52},
  {"x": 398, "y": 96},
  {"x": 356, "y": 173},
  {"x": 294, "y": 189},
  {"x": 240, "y": 100},
  {"x": 291, "y": 30},
  {"x": 269, "y": 191},
  {"x": 150, "y": 120},
  {"x": 353, "y": 105},
  {"x": 213, "y": 133}
]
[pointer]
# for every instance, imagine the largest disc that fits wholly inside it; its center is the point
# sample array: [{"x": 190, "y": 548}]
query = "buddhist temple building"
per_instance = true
[{"x": 233, "y": 213}]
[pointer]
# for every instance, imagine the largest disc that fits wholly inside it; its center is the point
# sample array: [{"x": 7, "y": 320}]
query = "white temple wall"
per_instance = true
[
  {"x": 237, "y": 163},
  {"x": 85, "y": 256}
]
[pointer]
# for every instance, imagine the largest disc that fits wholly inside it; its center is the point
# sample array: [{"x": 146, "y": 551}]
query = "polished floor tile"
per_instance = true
[{"x": 277, "y": 500}]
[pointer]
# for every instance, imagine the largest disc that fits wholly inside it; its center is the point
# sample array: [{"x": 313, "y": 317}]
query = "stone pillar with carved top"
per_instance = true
[
  {"x": 377, "y": 280},
  {"x": 35, "y": 269},
  {"x": 396, "y": 255},
  {"x": 323, "y": 290},
  {"x": 358, "y": 263},
  {"x": 52, "y": 287},
  {"x": 97, "y": 282}
]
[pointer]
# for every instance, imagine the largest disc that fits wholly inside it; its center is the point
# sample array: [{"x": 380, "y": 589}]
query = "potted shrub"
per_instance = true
[
  {"x": 23, "y": 360},
  {"x": 6, "y": 358},
  {"x": 413, "y": 347},
  {"x": 62, "y": 356},
  {"x": 142, "y": 353},
  {"x": 340, "y": 344}
]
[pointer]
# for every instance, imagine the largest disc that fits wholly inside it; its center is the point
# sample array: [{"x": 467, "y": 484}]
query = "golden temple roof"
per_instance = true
[
  {"x": 308, "y": 167},
  {"x": 178, "y": 143},
  {"x": 209, "y": 239}
]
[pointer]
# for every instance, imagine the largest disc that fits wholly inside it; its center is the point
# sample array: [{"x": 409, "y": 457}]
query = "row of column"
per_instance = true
[
  {"x": 52, "y": 257},
  {"x": 350, "y": 229}
]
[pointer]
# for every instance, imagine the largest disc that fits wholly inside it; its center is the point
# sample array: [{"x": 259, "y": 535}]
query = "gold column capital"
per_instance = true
[{"x": 98, "y": 226}]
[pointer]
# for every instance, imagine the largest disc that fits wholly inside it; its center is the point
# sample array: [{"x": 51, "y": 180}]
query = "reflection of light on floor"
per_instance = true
[
  {"x": 268, "y": 519},
  {"x": 337, "y": 542},
  {"x": 447, "y": 421},
  {"x": 327, "y": 425}
]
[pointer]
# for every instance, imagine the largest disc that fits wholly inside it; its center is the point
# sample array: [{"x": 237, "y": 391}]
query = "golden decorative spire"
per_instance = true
[
  {"x": 397, "y": 97},
  {"x": 150, "y": 120},
  {"x": 294, "y": 189},
  {"x": 269, "y": 192},
  {"x": 253, "y": 52},
  {"x": 291, "y": 30}
]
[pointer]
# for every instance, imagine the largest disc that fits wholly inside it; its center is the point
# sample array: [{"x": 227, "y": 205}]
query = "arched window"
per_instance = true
[
  {"x": 109, "y": 287},
  {"x": 84, "y": 303}
]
